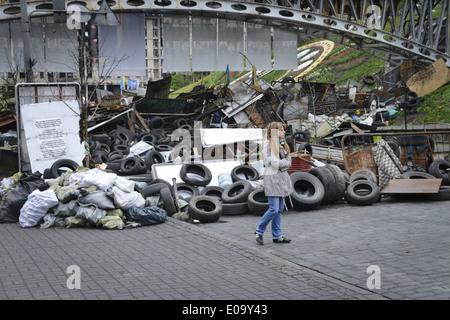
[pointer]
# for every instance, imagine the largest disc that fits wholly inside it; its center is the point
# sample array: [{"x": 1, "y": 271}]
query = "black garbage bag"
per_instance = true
[
  {"x": 147, "y": 215},
  {"x": 16, "y": 198}
]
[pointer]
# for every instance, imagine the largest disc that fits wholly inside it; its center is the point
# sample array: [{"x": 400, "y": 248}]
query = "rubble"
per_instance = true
[{"x": 168, "y": 154}]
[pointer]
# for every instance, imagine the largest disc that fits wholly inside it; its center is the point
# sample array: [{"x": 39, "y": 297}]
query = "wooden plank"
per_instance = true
[
  {"x": 141, "y": 120},
  {"x": 412, "y": 186}
]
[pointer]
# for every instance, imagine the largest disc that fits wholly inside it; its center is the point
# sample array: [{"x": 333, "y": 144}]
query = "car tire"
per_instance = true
[
  {"x": 308, "y": 191},
  {"x": 250, "y": 173},
  {"x": 237, "y": 192},
  {"x": 362, "y": 192},
  {"x": 327, "y": 178},
  {"x": 258, "y": 202},
  {"x": 168, "y": 201},
  {"x": 197, "y": 169},
  {"x": 204, "y": 208},
  {"x": 60, "y": 166}
]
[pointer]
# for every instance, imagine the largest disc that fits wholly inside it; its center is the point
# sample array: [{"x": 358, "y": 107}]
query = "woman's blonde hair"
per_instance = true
[{"x": 273, "y": 138}]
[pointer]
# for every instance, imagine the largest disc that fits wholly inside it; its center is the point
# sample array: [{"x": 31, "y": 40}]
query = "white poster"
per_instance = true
[
  {"x": 50, "y": 138},
  {"x": 51, "y": 130}
]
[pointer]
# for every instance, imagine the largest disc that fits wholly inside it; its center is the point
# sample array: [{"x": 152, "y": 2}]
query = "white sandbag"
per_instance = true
[
  {"x": 125, "y": 200},
  {"x": 103, "y": 180},
  {"x": 124, "y": 184},
  {"x": 36, "y": 207}
]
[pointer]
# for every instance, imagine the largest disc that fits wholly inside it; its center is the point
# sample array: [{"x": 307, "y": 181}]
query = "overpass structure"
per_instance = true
[{"x": 393, "y": 30}]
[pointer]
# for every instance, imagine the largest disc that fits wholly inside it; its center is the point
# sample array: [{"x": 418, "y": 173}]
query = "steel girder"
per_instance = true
[{"x": 391, "y": 29}]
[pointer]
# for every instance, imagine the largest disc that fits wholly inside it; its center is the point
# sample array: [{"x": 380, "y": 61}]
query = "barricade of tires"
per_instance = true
[{"x": 113, "y": 149}]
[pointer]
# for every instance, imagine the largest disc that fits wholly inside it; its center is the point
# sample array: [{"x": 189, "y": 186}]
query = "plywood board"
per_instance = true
[
  {"x": 413, "y": 186},
  {"x": 431, "y": 78}
]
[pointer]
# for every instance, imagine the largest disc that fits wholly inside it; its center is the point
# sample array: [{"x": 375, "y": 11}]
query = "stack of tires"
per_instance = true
[
  {"x": 363, "y": 189},
  {"x": 320, "y": 185},
  {"x": 440, "y": 169},
  {"x": 113, "y": 149},
  {"x": 202, "y": 207}
]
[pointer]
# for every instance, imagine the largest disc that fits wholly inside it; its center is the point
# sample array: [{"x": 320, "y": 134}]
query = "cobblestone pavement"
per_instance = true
[
  {"x": 331, "y": 249},
  {"x": 408, "y": 241}
]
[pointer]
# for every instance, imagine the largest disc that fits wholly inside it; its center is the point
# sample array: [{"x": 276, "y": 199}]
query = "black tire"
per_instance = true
[
  {"x": 308, "y": 191},
  {"x": 153, "y": 189},
  {"x": 130, "y": 166},
  {"x": 48, "y": 174},
  {"x": 163, "y": 147},
  {"x": 168, "y": 201},
  {"x": 339, "y": 178},
  {"x": 198, "y": 170},
  {"x": 113, "y": 165},
  {"x": 183, "y": 188},
  {"x": 352, "y": 105},
  {"x": 115, "y": 155},
  {"x": 416, "y": 175},
  {"x": 94, "y": 145},
  {"x": 166, "y": 140},
  {"x": 412, "y": 102},
  {"x": 124, "y": 149},
  {"x": 149, "y": 138},
  {"x": 440, "y": 169},
  {"x": 363, "y": 174},
  {"x": 300, "y": 136},
  {"x": 237, "y": 192},
  {"x": 204, "y": 208},
  {"x": 327, "y": 178},
  {"x": 63, "y": 165},
  {"x": 234, "y": 209},
  {"x": 369, "y": 80},
  {"x": 249, "y": 173},
  {"x": 213, "y": 191},
  {"x": 153, "y": 157},
  {"x": 257, "y": 202},
  {"x": 178, "y": 123},
  {"x": 305, "y": 146},
  {"x": 287, "y": 83},
  {"x": 121, "y": 136},
  {"x": 362, "y": 192},
  {"x": 102, "y": 138},
  {"x": 160, "y": 133},
  {"x": 160, "y": 181},
  {"x": 142, "y": 167},
  {"x": 105, "y": 147},
  {"x": 156, "y": 123}
]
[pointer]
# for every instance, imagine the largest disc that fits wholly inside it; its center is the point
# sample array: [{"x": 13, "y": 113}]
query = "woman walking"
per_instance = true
[{"x": 277, "y": 183}]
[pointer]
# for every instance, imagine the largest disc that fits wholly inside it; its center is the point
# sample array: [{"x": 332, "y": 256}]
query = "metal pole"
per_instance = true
[{"x": 25, "y": 19}]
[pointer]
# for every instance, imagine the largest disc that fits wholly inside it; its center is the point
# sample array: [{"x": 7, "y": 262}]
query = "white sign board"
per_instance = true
[
  {"x": 168, "y": 171},
  {"x": 51, "y": 133}
]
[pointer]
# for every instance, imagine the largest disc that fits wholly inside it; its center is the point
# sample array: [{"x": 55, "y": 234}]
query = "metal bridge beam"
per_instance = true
[{"x": 415, "y": 31}]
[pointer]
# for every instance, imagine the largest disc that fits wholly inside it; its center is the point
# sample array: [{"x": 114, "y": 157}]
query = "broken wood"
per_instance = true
[{"x": 141, "y": 120}]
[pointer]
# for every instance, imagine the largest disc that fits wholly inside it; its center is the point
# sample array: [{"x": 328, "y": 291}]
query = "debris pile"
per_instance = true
[{"x": 147, "y": 156}]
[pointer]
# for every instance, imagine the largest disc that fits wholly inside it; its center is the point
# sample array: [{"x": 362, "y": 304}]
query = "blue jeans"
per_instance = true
[{"x": 276, "y": 206}]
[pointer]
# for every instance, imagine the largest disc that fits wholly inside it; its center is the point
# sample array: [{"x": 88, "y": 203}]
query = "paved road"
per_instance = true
[{"x": 331, "y": 249}]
